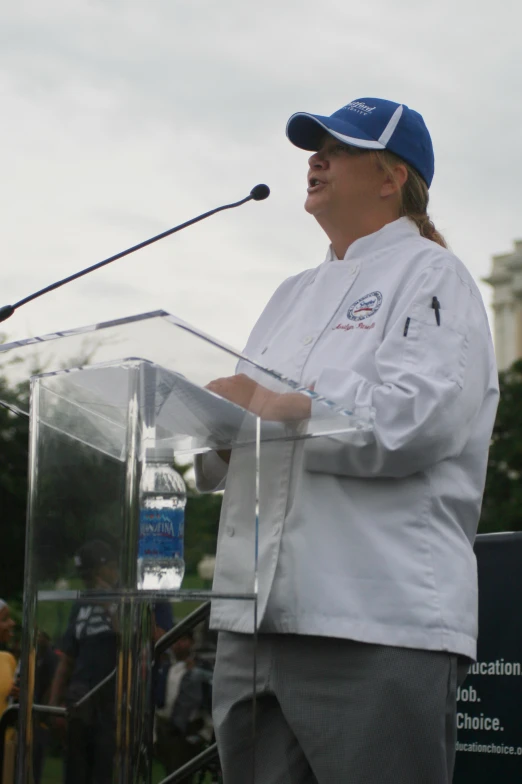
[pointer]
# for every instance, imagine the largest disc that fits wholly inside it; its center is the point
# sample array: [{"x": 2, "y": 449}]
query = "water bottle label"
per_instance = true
[{"x": 161, "y": 533}]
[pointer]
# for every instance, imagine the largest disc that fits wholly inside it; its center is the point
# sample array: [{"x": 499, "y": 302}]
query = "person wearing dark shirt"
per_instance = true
[
  {"x": 183, "y": 700},
  {"x": 89, "y": 648},
  {"x": 45, "y": 667}
]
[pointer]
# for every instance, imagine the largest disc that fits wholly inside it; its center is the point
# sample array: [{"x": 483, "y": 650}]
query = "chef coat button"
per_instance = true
[
  {"x": 276, "y": 530},
  {"x": 230, "y": 530},
  {"x": 308, "y": 339}
]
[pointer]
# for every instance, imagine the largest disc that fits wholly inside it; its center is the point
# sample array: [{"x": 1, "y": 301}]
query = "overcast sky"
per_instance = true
[{"x": 121, "y": 119}]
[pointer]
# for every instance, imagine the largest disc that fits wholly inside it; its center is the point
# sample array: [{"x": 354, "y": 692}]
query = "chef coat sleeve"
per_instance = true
[
  {"x": 427, "y": 382},
  {"x": 210, "y": 472}
]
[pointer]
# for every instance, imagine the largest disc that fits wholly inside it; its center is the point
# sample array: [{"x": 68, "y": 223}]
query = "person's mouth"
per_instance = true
[{"x": 315, "y": 184}]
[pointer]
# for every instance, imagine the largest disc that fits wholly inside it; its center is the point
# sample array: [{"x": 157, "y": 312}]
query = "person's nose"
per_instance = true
[{"x": 317, "y": 161}]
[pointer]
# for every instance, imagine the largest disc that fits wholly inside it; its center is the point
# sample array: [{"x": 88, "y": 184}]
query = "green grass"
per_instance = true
[{"x": 53, "y": 771}]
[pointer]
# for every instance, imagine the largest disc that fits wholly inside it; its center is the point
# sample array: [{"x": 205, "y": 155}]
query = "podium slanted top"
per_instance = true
[{"x": 87, "y": 378}]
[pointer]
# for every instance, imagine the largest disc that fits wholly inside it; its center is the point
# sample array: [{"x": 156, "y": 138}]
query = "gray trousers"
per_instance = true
[{"x": 332, "y": 711}]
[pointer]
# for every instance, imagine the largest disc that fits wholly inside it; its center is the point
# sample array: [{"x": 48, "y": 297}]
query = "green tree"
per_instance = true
[
  {"x": 14, "y": 431},
  {"x": 502, "y": 506},
  {"x": 80, "y": 492}
]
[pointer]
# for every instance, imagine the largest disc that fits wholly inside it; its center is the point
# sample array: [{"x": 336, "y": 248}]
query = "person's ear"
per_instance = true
[{"x": 392, "y": 185}]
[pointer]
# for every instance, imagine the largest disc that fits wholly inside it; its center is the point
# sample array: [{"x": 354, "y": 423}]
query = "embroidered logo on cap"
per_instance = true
[
  {"x": 365, "y": 307},
  {"x": 359, "y": 107}
]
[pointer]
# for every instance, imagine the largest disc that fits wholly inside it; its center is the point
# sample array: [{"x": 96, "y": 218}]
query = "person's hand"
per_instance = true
[
  {"x": 291, "y": 407},
  {"x": 261, "y": 401},
  {"x": 242, "y": 391}
]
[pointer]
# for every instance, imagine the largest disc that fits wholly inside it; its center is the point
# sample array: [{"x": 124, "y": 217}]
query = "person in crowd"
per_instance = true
[
  {"x": 367, "y": 601},
  {"x": 8, "y": 688},
  {"x": 89, "y": 654},
  {"x": 183, "y": 705},
  {"x": 163, "y": 619},
  {"x": 7, "y": 660},
  {"x": 46, "y": 663}
]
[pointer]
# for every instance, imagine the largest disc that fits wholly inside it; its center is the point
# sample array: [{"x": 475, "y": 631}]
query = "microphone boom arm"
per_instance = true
[{"x": 257, "y": 193}]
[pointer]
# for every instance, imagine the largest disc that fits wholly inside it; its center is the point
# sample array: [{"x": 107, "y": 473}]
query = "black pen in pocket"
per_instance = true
[
  {"x": 435, "y": 304},
  {"x": 406, "y": 327}
]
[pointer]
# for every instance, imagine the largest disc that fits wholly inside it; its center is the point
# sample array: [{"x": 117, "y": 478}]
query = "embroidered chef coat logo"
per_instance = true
[{"x": 365, "y": 307}]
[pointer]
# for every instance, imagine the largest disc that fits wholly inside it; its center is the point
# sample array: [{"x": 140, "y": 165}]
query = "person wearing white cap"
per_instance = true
[{"x": 367, "y": 599}]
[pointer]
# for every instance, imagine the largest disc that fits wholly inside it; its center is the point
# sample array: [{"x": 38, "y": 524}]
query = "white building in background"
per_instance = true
[{"x": 506, "y": 280}]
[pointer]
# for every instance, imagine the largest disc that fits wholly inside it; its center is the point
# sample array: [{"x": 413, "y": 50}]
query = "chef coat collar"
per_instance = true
[{"x": 390, "y": 233}]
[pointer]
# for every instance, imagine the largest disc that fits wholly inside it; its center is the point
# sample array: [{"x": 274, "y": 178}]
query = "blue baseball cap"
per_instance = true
[{"x": 373, "y": 124}]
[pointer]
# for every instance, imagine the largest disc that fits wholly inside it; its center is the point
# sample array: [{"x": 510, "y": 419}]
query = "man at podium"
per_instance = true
[{"x": 367, "y": 602}]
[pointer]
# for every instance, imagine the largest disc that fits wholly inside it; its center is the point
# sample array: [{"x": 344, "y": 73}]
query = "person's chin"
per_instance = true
[{"x": 313, "y": 203}]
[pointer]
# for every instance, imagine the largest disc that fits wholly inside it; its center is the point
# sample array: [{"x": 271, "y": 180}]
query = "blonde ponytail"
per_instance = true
[
  {"x": 427, "y": 228},
  {"x": 414, "y": 196}
]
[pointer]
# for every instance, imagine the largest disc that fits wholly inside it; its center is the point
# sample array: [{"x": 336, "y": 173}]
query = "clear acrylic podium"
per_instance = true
[{"x": 100, "y": 397}]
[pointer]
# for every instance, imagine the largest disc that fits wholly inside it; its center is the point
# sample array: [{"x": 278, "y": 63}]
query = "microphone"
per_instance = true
[{"x": 258, "y": 193}]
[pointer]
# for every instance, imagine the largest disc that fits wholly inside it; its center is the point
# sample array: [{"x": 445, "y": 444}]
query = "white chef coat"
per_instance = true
[{"x": 370, "y": 541}]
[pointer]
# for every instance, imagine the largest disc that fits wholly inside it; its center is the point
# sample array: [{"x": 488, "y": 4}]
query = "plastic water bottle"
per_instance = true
[{"x": 163, "y": 497}]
